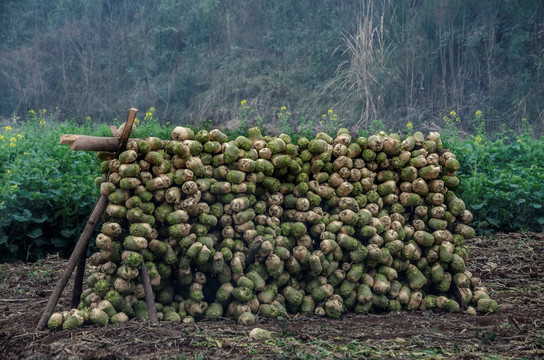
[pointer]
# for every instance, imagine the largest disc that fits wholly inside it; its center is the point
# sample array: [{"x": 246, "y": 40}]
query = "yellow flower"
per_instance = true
[
  {"x": 283, "y": 108},
  {"x": 478, "y": 114},
  {"x": 19, "y": 136},
  {"x": 243, "y": 102},
  {"x": 42, "y": 122},
  {"x": 31, "y": 112},
  {"x": 453, "y": 113},
  {"x": 324, "y": 115},
  {"x": 152, "y": 109},
  {"x": 137, "y": 121},
  {"x": 519, "y": 141},
  {"x": 12, "y": 139},
  {"x": 9, "y": 171},
  {"x": 409, "y": 125},
  {"x": 1, "y": 138},
  {"x": 8, "y": 128},
  {"x": 15, "y": 186},
  {"x": 477, "y": 140},
  {"x": 330, "y": 111},
  {"x": 12, "y": 144}
]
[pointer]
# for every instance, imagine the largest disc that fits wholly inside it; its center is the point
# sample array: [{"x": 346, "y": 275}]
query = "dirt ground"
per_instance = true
[{"x": 511, "y": 265}]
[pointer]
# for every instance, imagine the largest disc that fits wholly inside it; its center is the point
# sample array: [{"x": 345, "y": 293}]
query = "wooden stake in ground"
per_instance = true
[
  {"x": 78, "y": 281},
  {"x": 79, "y": 255},
  {"x": 149, "y": 300}
]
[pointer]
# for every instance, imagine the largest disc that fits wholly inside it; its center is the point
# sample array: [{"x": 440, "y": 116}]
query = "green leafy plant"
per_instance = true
[
  {"x": 305, "y": 129},
  {"x": 206, "y": 124},
  {"x": 330, "y": 122},
  {"x": 47, "y": 190},
  {"x": 500, "y": 177},
  {"x": 151, "y": 126},
  {"x": 375, "y": 127},
  {"x": 285, "y": 126},
  {"x": 245, "y": 114}
]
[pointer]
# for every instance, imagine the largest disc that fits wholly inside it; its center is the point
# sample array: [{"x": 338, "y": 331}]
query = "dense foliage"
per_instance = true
[
  {"x": 47, "y": 190},
  {"x": 501, "y": 179},
  {"x": 397, "y": 61}
]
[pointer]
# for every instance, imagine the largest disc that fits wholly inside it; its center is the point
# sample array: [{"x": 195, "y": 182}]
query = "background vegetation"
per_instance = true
[
  {"x": 292, "y": 66},
  {"x": 395, "y": 61}
]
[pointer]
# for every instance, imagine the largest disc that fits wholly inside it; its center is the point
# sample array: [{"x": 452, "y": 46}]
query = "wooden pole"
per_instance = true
[
  {"x": 90, "y": 143},
  {"x": 79, "y": 250},
  {"x": 78, "y": 281},
  {"x": 126, "y": 131},
  {"x": 149, "y": 301},
  {"x": 120, "y": 146},
  {"x": 79, "y": 254},
  {"x": 458, "y": 296},
  {"x": 93, "y": 143}
]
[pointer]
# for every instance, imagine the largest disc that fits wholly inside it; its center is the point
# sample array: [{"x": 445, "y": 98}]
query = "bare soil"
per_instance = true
[{"x": 511, "y": 265}]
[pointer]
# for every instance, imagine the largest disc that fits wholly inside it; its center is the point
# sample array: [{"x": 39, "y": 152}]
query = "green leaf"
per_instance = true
[
  {"x": 35, "y": 233},
  {"x": 478, "y": 206},
  {"x": 493, "y": 221},
  {"x": 23, "y": 216},
  {"x": 58, "y": 242},
  {"x": 67, "y": 232},
  {"x": 41, "y": 219}
]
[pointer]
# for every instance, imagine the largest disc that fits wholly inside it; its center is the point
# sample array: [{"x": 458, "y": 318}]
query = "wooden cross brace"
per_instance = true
[{"x": 116, "y": 144}]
